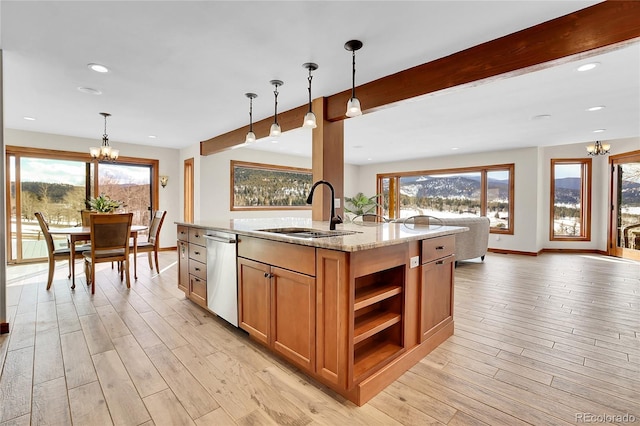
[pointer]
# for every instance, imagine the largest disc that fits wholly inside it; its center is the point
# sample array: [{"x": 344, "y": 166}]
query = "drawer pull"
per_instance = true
[
  {"x": 440, "y": 248},
  {"x": 196, "y": 279},
  {"x": 440, "y": 262},
  {"x": 196, "y": 252},
  {"x": 197, "y": 269}
]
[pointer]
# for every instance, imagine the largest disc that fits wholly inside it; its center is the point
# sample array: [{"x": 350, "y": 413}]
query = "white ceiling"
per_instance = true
[{"x": 179, "y": 71}]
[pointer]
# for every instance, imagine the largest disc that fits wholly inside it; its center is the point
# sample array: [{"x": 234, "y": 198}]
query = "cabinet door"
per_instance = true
[
  {"x": 436, "y": 298},
  {"x": 293, "y": 316},
  {"x": 254, "y": 298},
  {"x": 183, "y": 266}
]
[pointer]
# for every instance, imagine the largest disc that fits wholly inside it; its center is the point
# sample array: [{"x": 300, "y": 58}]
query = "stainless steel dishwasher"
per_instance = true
[{"x": 222, "y": 280}]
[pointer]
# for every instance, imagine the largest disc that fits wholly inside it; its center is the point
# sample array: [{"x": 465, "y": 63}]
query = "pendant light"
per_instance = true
[
  {"x": 353, "y": 106},
  {"x": 105, "y": 152},
  {"x": 251, "y": 137},
  {"x": 310, "y": 117},
  {"x": 275, "y": 127}
]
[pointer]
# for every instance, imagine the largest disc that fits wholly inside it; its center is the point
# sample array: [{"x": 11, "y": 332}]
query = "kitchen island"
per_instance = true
[{"x": 352, "y": 308}]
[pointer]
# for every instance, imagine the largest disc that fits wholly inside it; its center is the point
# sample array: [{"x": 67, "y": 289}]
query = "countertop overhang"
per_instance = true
[{"x": 366, "y": 236}]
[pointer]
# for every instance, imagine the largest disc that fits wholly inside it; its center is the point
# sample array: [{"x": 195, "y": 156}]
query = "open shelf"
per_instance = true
[
  {"x": 375, "y": 293},
  {"x": 372, "y": 355},
  {"x": 373, "y": 322}
]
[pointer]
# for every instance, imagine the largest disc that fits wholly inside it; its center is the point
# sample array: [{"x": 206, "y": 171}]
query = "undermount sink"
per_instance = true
[{"x": 308, "y": 232}]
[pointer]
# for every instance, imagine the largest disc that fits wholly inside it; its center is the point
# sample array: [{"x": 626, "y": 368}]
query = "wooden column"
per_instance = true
[{"x": 327, "y": 161}]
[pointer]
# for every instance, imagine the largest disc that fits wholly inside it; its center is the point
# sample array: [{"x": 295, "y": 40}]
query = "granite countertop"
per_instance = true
[{"x": 365, "y": 237}]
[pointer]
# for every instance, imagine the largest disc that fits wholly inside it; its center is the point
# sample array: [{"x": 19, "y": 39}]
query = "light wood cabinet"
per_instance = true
[
  {"x": 436, "y": 290},
  {"x": 192, "y": 264},
  {"x": 355, "y": 321},
  {"x": 276, "y": 305}
]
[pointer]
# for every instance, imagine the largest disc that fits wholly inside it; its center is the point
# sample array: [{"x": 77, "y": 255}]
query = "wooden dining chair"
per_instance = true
[
  {"x": 152, "y": 245},
  {"x": 53, "y": 253},
  {"x": 109, "y": 243}
]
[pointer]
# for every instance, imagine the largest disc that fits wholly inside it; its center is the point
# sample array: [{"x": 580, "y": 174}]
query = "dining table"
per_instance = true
[{"x": 83, "y": 233}]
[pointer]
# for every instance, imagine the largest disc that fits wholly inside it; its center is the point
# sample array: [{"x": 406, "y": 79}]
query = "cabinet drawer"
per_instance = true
[
  {"x": 198, "y": 253},
  {"x": 437, "y": 248},
  {"x": 183, "y": 233},
  {"x": 196, "y": 236},
  {"x": 198, "y": 269},
  {"x": 198, "y": 290},
  {"x": 288, "y": 256}
]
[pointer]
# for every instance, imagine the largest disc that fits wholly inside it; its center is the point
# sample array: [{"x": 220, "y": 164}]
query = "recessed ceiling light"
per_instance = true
[
  {"x": 589, "y": 66},
  {"x": 599, "y": 130},
  {"x": 369, "y": 159},
  {"x": 152, "y": 136},
  {"x": 29, "y": 118},
  {"x": 89, "y": 90},
  {"x": 454, "y": 149},
  {"x": 541, "y": 117},
  {"x": 595, "y": 108},
  {"x": 98, "y": 68}
]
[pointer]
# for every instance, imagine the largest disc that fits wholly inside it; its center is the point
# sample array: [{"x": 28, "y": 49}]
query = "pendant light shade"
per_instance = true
[
  {"x": 105, "y": 152},
  {"x": 353, "y": 106},
  {"x": 310, "y": 118},
  {"x": 275, "y": 127},
  {"x": 251, "y": 137}
]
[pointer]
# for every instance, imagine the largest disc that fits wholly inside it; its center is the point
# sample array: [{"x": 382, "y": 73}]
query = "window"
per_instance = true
[
  {"x": 58, "y": 183},
  {"x": 570, "y": 217},
  {"x": 257, "y": 186},
  {"x": 473, "y": 191}
]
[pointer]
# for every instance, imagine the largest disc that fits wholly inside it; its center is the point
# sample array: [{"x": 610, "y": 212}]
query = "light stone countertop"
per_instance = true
[{"x": 366, "y": 237}]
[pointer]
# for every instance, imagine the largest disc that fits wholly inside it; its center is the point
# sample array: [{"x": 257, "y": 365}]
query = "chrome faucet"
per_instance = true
[{"x": 334, "y": 219}]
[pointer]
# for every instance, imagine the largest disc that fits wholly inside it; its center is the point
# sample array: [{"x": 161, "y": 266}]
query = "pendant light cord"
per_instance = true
[
  {"x": 275, "y": 112},
  {"x": 353, "y": 80},
  {"x": 105, "y": 137},
  {"x": 309, "y": 78},
  {"x": 251, "y": 115}
]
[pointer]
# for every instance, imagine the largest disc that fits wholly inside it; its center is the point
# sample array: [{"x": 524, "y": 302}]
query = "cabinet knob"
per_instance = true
[{"x": 440, "y": 248}]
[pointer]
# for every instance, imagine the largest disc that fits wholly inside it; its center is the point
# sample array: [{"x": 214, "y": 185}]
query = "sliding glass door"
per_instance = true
[
  {"x": 58, "y": 184},
  {"x": 624, "y": 233}
]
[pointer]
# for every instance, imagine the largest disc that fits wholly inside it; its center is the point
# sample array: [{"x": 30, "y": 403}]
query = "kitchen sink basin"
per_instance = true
[{"x": 308, "y": 232}]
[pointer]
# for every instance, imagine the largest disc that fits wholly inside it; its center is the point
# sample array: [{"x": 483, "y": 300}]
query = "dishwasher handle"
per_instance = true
[{"x": 220, "y": 239}]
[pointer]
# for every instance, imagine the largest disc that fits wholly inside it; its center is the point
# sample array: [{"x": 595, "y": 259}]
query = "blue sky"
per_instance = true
[{"x": 73, "y": 172}]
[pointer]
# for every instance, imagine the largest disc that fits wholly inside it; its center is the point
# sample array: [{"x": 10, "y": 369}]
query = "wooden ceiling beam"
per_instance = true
[
  {"x": 599, "y": 26},
  {"x": 605, "y": 25}
]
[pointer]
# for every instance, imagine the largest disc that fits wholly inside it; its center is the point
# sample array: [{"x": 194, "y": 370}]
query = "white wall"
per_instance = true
[
  {"x": 169, "y": 197},
  {"x": 532, "y": 190},
  {"x": 599, "y": 191},
  {"x": 214, "y": 175}
]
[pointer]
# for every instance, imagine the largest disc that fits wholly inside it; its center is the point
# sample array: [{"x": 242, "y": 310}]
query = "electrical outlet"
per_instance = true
[
  {"x": 415, "y": 261},
  {"x": 337, "y": 202}
]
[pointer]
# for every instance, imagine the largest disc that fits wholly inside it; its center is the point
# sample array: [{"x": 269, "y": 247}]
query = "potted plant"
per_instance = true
[
  {"x": 104, "y": 204},
  {"x": 360, "y": 204}
]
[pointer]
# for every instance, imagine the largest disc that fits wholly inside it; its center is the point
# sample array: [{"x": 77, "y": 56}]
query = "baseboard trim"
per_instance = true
[
  {"x": 548, "y": 250},
  {"x": 577, "y": 251},
  {"x": 522, "y": 253}
]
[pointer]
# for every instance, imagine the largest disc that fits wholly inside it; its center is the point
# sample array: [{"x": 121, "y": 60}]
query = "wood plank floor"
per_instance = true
[{"x": 553, "y": 340}]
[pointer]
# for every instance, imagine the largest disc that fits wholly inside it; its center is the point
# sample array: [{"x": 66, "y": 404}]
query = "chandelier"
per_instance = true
[
  {"x": 598, "y": 148},
  {"x": 105, "y": 152}
]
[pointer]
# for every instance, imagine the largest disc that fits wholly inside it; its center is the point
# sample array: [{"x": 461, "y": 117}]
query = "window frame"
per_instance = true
[
  {"x": 394, "y": 180},
  {"x": 261, "y": 166},
  {"x": 585, "y": 199}
]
